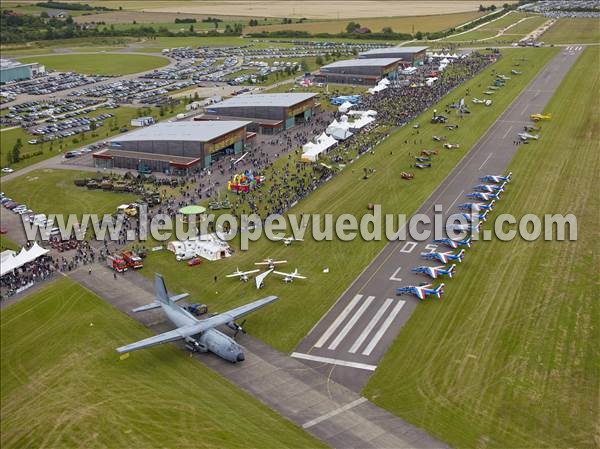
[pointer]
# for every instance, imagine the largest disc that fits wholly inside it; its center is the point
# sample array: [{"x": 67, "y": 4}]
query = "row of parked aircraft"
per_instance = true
[{"x": 490, "y": 190}]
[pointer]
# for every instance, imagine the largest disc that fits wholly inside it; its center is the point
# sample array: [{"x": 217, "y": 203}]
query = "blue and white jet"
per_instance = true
[
  {"x": 454, "y": 243},
  {"x": 484, "y": 196},
  {"x": 487, "y": 188},
  {"x": 422, "y": 291},
  {"x": 475, "y": 217},
  {"x": 444, "y": 257},
  {"x": 435, "y": 272},
  {"x": 476, "y": 207},
  {"x": 464, "y": 227},
  {"x": 496, "y": 179}
]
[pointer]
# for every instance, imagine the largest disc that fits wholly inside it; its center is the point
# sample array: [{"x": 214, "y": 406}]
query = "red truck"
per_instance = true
[
  {"x": 133, "y": 260},
  {"x": 117, "y": 263}
]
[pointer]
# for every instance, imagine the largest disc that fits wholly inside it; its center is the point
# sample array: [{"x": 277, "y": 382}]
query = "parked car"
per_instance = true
[{"x": 7, "y": 170}]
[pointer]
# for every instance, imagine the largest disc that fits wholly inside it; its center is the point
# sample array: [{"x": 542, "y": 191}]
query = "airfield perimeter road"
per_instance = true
[
  {"x": 350, "y": 340},
  {"x": 331, "y": 412}
]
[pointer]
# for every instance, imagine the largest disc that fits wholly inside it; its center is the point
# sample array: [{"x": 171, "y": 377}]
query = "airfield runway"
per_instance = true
[{"x": 350, "y": 340}]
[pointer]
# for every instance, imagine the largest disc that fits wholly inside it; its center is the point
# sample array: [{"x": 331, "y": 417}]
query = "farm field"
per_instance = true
[
  {"x": 63, "y": 385},
  {"x": 573, "y": 31},
  {"x": 65, "y": 45},
  {"x": 511, "y": 358},
  {"x": 52, "y": 191},
  {"x": 100, "y": 64},
  {"x": 307, "y": 301},
  {"x": 410, "y": 24}
]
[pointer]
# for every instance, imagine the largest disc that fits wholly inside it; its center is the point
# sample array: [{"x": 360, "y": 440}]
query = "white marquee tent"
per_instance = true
[
  {"x": 10, "y": 262},
  {"x": 322, "y": 144}
]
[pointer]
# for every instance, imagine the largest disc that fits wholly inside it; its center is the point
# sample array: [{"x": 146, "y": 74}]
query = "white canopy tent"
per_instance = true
[
  {"x": 345, "y": 106},
  {"x": 10, "y": 262},
  {"x": 322, "y": 144}
]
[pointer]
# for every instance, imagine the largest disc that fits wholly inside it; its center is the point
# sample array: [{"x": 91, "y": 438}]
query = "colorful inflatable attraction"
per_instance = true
[{"x": 244, "y": 182}]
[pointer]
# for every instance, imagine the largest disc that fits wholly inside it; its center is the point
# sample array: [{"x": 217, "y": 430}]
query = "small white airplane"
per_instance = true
[
  {"x": 270, "y": 262},
  {"x": 287, "y": 241},
  {"x": 243, "y": 275},
  {"x": 527, "y": 136},
  {"x": 289, "y": 277}
]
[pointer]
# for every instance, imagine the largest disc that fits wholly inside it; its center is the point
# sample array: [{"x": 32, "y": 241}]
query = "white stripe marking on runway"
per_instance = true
[
  {"x": 333, "y": 413},
  {"x": 394, "y": 277},
  {"x": 342, "y": 316},
  {"x": 383, "y": 328},
  {"x": 362, "y": 337},
  {"x": 350, "y": 324},
  {"x": 329, "y": 360},
  {"x": 454, "y": 202},
  {"x": 507, "y": 131},
  {"x": 485, "y": 162}
]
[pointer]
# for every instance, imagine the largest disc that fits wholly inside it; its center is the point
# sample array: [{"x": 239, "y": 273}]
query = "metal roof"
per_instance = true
[
  {"x": 396, "y": 49},
  {"x": 183, "y": 131},
  {"x": 372, "y": 62},
  {"x": 11, "y": 64},
  {"x": 283, "y": 100}
]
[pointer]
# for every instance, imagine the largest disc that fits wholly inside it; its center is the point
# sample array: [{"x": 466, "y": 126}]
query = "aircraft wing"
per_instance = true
[
  {"x": 166, "y": 337},
  {"x": 156, "y": 304},
  {"x": 232, "y": 315}
]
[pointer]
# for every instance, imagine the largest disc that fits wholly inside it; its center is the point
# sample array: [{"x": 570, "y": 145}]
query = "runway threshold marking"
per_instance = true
[
  {"x": 456, "y": 199},
  {"x": 331, "y": 361},
  {"x": 365, "y": 333},
  {"x": 341, "y": 317},
  {"x": 394, "y": 277},
  {"x": 333, "y": 413},
  {"x": 350, "y": 324},
  {"x": 384, "y": 327}
]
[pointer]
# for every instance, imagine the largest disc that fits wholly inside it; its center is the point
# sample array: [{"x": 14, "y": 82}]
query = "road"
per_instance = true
[{"x": 351, "y": 339}]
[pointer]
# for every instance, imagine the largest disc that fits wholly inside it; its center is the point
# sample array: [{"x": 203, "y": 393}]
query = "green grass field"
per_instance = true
[
  {"x": 306, "y": 301},
  {"x": 511, "y": 357},
  {"x": 489, "y": 30},
  {"x": 64, "y": 386},
  {"x": 100, "y": 63},
  {"x": 51, "y": 191},
  {"x": 573, "y": 31},
  {"x": 6, "y": 243}
]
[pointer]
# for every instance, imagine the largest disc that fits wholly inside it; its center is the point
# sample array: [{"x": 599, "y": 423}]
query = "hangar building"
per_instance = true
[
  {"x": 269, "y": 113},
  {"x": 15, "y": 71},
  {"x": 359, "y": 71},
  {"x": 174, "y": 147},
  {"x": 409, "y": 55}
]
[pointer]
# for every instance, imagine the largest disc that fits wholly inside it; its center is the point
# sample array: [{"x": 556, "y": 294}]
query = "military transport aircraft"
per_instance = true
[
  {"x": 243, "y": 275},
  {"x": 199, "y": 335},
  {"x": 422, "y": 291},
  {"x": 435, "y": 272},
  {"x": 497, "y": 179},
  {"x": 444, "y": 257},
  {"x": 289, "y": 277},
  {"x": 454, "y": 243}
]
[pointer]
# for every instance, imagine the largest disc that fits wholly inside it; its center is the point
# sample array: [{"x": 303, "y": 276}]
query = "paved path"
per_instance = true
[
  {"x": 350, "y": 340},
  {"x": 331, "y": 412}
]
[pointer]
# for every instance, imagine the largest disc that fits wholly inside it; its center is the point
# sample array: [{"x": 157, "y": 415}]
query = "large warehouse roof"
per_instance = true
[
  {"x": 373, "y": 62},
  {"x": 284, "y": 100},
  {"x": 388, "y": 50},
  {"x": 183, "y": 131}
]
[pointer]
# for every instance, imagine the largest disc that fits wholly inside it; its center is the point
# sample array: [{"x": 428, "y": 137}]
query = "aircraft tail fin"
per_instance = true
[
  {"x": 439, "y": 290},
  {"x": 160, "y": 290},
  {"x": 451, "y": 270}
]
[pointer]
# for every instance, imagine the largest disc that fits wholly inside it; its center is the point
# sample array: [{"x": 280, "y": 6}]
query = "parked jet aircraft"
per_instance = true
[
  {"x": 539, "y": 117},
  {"x": 199, "y": 335},
  {"x": 451, "y": 146},
  {"x": 490, "y": 188},
  {"x": 477, "y": 206},
  {"x": 439, "y": 138},
  {"x": 435, "y": 272},
  {"x": 464, "y": 228},
  {"x": 478, "y": 101},
  {"x": 454, "y": 243},
  {"x": 503, "y": 77},
  {"x": 243, "y": 275},
  {"x": 270, "y": 262},
  {"x": 484, "y": 196},
  {"x": 289, "y": 277},
  {"x": 422, "y": 291},
  {"x": 475, "y": 217},
  {"x": 420, "y": 165},
  {"x": 527, "y": 136},
  {"x": 444, "y": 257},
  {"x": 515, "y": 72},
  {"x": 497, "y": 179},
  {"x": 287, "y": 241}
]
